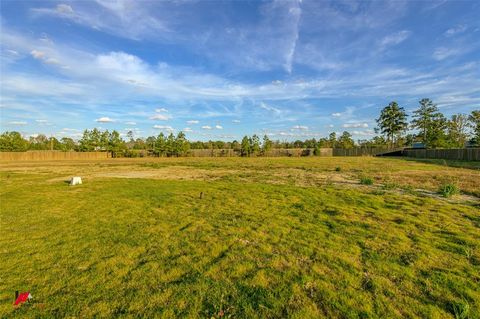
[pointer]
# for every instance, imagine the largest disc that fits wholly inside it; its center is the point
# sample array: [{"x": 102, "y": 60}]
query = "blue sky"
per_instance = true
[{"x": 220, "y": 70}]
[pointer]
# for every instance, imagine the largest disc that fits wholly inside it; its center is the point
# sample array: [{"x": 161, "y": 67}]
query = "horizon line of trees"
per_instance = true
[{"x": 434, "y": 131}]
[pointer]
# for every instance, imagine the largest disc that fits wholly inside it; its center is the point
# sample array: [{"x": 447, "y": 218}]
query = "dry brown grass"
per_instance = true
[{"x": 305, "y": 172}]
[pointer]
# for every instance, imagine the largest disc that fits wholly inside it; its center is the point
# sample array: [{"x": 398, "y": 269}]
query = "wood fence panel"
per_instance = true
[
  {"x": 462, "y": 154},
  {"x": 280, "y": 152},
  {"x": 360, "y": 151}
]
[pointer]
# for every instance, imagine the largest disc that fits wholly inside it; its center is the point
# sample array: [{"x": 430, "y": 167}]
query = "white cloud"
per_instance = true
[
  {"x": 187, "y": 129},
  {"x": 37, "y": 54},
  {"x": 104, "y": 119},
  {"x": 164, "y": 127},
  {"x": 269, "y": 108},
  {"x": 17, "y": 123},
  {"x": 294, "y": 14},
  {"x": 193, "y": 122},
  {"x": 127, "y": 19},
  {"x": 42, "y": 56},
  {"x": 51, "y": 61},
  {"x": 131, "y": 123},
  {"x": 300, "y": 127},
  {"x": 219, "y": 127},
  {"x": 161, "y": 110},
  {"x": 443, "y": 53},
  {"x": 455, "y": 30},
  {"x": 235, "y": 121},
  {"x": 394, "y": 39},
  {"x": 206, "y": 127},
  {"x": 355, "y": 125},
  {"x": 41, "y": 121},
  {"x": 64, "y": 8},
  {"x": 336, "y": 114},
  {"x": 160, "y": 117}
]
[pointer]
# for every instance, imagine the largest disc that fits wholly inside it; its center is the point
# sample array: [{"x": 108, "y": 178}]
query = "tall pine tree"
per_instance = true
[{"x": 392, "y": 122}]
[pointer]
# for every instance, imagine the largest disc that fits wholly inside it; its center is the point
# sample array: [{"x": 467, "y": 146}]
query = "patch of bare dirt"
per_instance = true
[{"x": 169, "y": 172}]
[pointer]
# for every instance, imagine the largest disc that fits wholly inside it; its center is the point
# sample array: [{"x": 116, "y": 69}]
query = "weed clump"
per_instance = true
[
  {"x": 390, "y": 185},
  {"x": 366, "y": 180},
  {"x": 408, "y": 258},
  {"x": 338, "y": 169},
  {"x": 448, "y": 190},
  {"x": 460, "y": 310}
]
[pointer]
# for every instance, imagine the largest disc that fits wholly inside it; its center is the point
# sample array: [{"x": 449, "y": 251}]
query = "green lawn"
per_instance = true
[{"x": 270, "y": 238}]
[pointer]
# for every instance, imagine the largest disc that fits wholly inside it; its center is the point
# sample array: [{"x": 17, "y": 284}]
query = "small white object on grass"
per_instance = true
[{"x": 75, "y": 181}]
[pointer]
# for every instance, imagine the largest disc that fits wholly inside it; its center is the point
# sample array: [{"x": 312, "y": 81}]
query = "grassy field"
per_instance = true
[{"x": 241, "y": 238}]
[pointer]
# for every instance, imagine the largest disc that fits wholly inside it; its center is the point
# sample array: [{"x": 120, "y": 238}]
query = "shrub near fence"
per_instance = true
[
  {"x": 464, "y": 154},
  {"x": 51, "y": 156},
  {"x": 297, "y": 152}
]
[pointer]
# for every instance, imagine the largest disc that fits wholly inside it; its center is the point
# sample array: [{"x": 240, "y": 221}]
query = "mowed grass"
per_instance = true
[{"x": 252, "y": 246}]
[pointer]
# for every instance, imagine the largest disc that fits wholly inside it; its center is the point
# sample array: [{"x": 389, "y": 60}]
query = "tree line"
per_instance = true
[{"x": 433, "y": 129}]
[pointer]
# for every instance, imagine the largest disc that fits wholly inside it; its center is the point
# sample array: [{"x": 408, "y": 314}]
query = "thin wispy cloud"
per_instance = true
[
  {"x": 18, "y": 123},
  {"x": 456, "y": 30},
  {"x": 300, "y": 127},
  {"x": 159, "y": 117},
  {"x": 394, "y": 39},
  {"x": 164, "y": 127},
  {"x": 443, "y": 53},
  {"x": 354, "y": 125}
]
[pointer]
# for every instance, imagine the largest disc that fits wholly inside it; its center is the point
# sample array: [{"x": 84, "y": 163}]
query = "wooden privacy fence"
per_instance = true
[
  {"x": 280, "y": 152},
  {"x": 212, "y": 153},
  {"x": 296, "y": 152},
  {"x": 51, "y": 156},
  {"x": 360, "y": 151},
  {"x": 464, "y": 154}
]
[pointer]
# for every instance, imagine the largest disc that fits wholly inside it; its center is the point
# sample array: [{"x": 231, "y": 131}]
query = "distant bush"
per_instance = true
[
  {"x": 448, "y": 190},
  {"x": 338, "y": 169},
  {"x": 366, "y": 180}
]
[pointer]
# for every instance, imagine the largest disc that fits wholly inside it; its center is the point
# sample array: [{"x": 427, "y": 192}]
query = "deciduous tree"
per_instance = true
[{"x": 457, "y": 130}]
